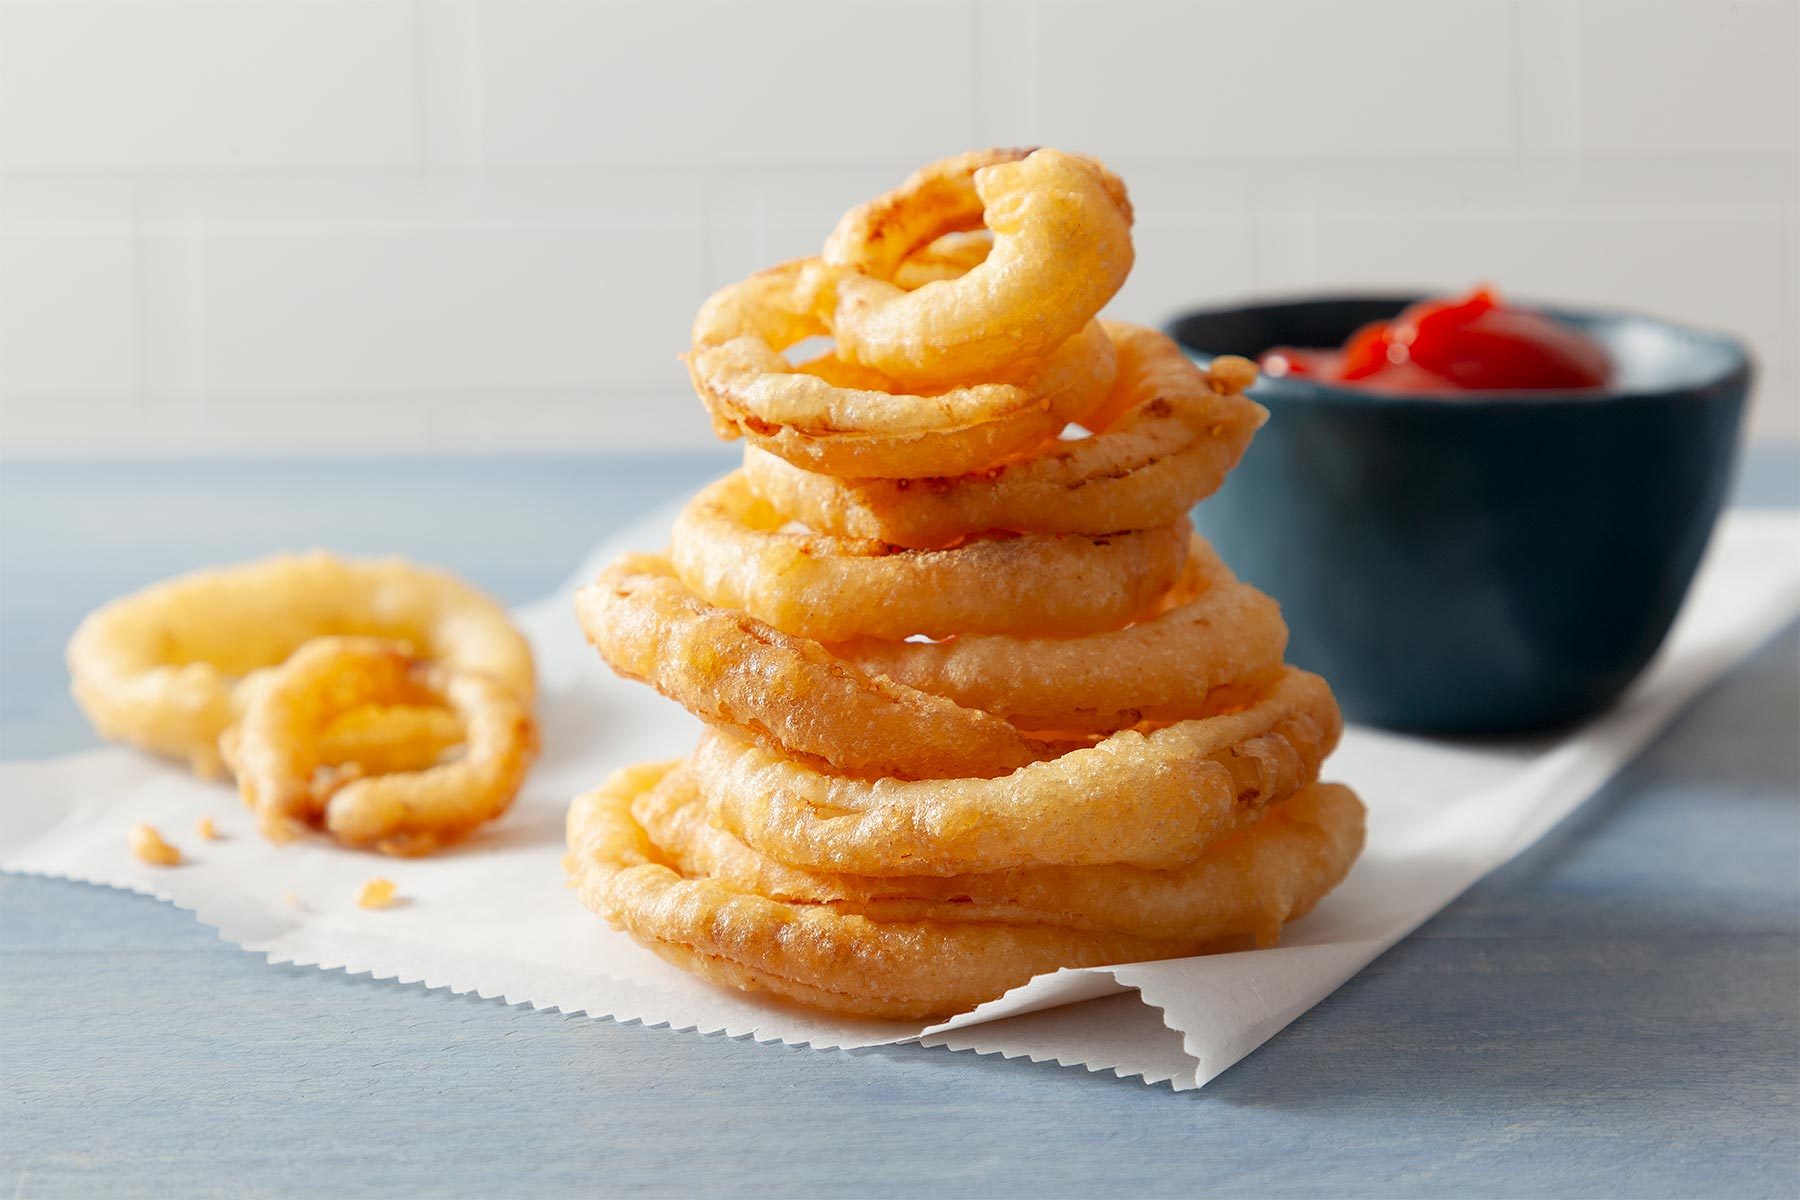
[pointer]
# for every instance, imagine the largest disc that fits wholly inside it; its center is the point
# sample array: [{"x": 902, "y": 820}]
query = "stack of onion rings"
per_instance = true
[{"x": 980, "y": 705}]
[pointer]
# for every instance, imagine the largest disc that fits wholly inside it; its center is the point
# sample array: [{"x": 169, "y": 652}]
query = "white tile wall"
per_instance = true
[{"x": 465, "y": 224}]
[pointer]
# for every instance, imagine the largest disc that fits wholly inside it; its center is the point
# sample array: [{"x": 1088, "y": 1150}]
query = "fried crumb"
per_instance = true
[
  {"x": 206, "y": 829},
  {"x": 149, "y": 846},
  {"x": 377, "y": 893}
]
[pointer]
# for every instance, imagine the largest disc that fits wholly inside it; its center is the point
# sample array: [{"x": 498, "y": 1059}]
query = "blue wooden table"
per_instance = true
[{"x": 1617, "y": 1013}]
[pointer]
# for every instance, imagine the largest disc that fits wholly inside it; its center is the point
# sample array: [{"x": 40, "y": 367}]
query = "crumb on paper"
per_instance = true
[
  {"x": 291, "y": 900},
  {"x": 149, "y": 846},
  {"x": 377, "y": 893},
  {"x": 206, "y": 829}
]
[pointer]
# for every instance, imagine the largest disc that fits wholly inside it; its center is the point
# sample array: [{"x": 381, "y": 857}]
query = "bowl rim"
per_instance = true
[{"x": 1734, "y": 379}]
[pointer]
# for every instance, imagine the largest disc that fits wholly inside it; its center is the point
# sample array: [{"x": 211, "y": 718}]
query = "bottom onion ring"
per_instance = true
[
  {"x": 1250, "y": 882},
  {"x": 276, "y": 754},
  {"x": 909, "y": 969},
  {"x": 1146, "y": 799}
]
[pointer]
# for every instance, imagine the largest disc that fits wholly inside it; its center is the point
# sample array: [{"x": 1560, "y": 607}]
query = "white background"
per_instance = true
[{"x": 373, "y": 225}]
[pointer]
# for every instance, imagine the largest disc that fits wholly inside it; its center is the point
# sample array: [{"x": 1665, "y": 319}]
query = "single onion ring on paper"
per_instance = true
[
  {"x": 1163, "y": 441},
  {"x": 1145, "y": 799},
  {"x": 844, "y": 963},
  {"x": 730, "y": 548},
  {"x": 170, "y": 667},
  {"x": 1273, "y": 870},
  {"x": 785, "y": 693},
  {"x": 831, "y": 415},
  {"x": 1061, "y": 229},
  {"x": 1216, "y": 644},
  {"x": 275, "y": 751}
]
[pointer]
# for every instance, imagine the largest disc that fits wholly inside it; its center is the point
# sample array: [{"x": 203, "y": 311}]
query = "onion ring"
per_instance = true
[
  {"x": 785, "y": 693},
  {"x": 1149, "y": 800},
  {"x": 729, "y": 548},
  {"x": 1178, "y": 432},
  {"x": 1270, "y": 872},
  {"x": 847, "y": 964},
  {"x": 1214, "y": 636},
  {"x": 833, "y": 416},
  {"x": 1062, "y": 248},
  {"x": 275, "y": 751},
  {"x": 165, "y": 668}
]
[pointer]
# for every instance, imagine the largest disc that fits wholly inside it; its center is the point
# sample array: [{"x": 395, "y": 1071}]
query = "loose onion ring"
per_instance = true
[
  {"x": 832, "y": 416},
  {"x": 1215, "y": 636},
  {"x": 846, "y": 964},
  {"x": 729, "y": 548},
  {"x": 1062, "y": 248},
  {"x": 275, "y": 750},
  {"x": 785, "y": 693},
  {"x": 1177, "y": 433},
  {"x": 161, "y": 668},
  {"x": 1269, "y": 873},
  {"x": 1150, "y": 800}
]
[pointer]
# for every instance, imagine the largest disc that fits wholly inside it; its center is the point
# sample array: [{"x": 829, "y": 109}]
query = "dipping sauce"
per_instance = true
[{"x": 1473, "y": 344}]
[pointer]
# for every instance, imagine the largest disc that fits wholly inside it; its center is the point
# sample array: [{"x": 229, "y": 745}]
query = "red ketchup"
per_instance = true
[{"x": 1474, "y": 344}]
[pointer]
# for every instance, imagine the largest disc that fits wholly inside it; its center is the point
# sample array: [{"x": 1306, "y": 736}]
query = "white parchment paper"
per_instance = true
[{"x": 493, "y": 916}]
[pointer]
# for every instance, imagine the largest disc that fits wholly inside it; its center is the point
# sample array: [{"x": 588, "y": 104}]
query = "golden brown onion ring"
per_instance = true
[
  {"x": 162, "y": 668},
  {"x": 1180, "y": 431},
  {"x": 276, "y": 755},
  {"x": 1062, "y": 248},
  {"x": 836, "y": 417},
  {"x": 811, "y": 953},
  {"x": 1270, "y": 872},
  {"x": 729, "y": 547},
  {"x": 1214, "y": 638},
  {"x": 1149, "y": 800},
  {"x": 782, "y": 692}
]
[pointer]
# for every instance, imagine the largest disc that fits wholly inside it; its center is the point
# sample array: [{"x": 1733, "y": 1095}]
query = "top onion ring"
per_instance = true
[
  {"x": 1062, "y": 248},
  {"x": 834, "y": 417}
]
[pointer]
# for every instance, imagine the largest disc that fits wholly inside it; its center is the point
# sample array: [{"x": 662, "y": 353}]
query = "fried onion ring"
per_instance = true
[
  {"x": 1178, "y": 432},
  {"x": 729, "y": 547},
  {"x": 1214, "y": 636},
  {"x": 275, "y": 749},
  {"x": 1062, "y": 248},
  {"x": 847, "y": 964},
  {"x": 1252, "y": 882},
  {"x": 785, "y": 693},
  {"x": 164, "y": 668},
  {"x": 1149, "y": 800},
  {"x": 833, "y": 416},
  {"x": 912, "y": 968}
]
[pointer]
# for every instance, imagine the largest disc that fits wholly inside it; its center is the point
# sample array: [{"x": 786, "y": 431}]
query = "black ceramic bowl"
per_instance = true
[{"x": 1482, "y": 562}]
